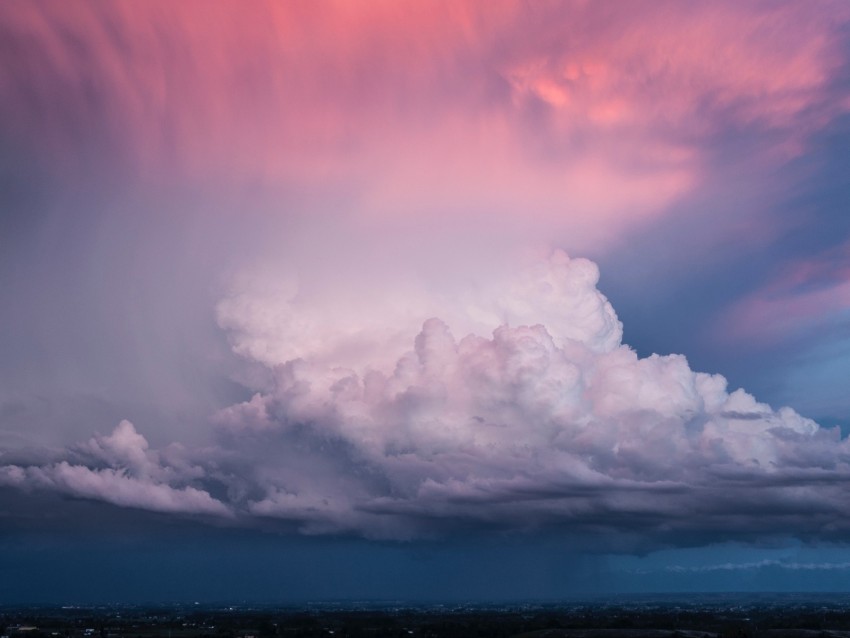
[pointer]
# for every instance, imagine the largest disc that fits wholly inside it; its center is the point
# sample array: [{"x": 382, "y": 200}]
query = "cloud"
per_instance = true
[
  {"x": 368, "y": 174},
  {"x": 805, "y": 298},
  {"x": 273, "y": 318},
  {"x": 515, "y": 425},
  {"x": 533, "y": 416},
  {"x": 560, "y": 114},
  {"x": 761, "y": 564},
  {"x": 119, "y": 469}
]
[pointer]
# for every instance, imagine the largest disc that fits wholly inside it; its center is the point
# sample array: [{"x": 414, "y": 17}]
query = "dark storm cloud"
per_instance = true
[{"x": 281, "y": 238}]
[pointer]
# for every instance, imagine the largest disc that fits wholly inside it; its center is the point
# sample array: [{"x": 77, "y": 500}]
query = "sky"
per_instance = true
[{"x": 423, "y": 300}]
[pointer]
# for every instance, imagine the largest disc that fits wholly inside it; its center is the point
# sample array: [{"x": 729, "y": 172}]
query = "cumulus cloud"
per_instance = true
[
  {"x": 274, "y": 319},
  {"x": 537, "y": 417},
  {"x": 533, "y": 414},
  {"x": 119, "y": 468}
]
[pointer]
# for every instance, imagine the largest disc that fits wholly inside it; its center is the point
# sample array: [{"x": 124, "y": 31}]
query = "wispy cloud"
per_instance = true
[
  {"x": 557, "y": 116},
  {"x": 757, "y": 565}
]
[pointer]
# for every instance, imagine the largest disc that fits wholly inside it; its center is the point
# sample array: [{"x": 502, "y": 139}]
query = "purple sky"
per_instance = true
[{"x": 400, "y": 277}]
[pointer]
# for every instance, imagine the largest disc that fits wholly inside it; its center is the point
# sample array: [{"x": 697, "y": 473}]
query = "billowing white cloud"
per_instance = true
[
  {"x": 122, "y": 470},
  {"x": 514, "y": 406},
  {"x": 272, "y": 319}
]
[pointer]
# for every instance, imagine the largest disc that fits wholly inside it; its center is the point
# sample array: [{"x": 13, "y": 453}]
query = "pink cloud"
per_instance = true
[
  {"x": 807, "y": 296},
  {"x": 546, "y": 419},
  {"x": 134, "y": 476},
  {"x": 515, "y": 410},
  {"x": 583, "y": 117}
]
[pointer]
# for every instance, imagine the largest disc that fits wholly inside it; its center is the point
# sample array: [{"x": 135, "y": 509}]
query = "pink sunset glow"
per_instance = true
[
  {"x": 807, "y": 296},
  {"x": 537, "y": 117}
]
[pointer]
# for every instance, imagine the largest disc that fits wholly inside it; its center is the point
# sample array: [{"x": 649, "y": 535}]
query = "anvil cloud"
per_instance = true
[
  {"x": 524, "y": 116},
  {"x": 287, "y": 261}
]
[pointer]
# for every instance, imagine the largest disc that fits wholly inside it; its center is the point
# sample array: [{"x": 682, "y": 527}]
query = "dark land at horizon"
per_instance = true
[{"x": 648, "y": 616}]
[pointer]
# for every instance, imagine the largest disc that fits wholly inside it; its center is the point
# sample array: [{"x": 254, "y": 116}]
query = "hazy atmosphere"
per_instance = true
[{"x": 423, "y": 300}]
